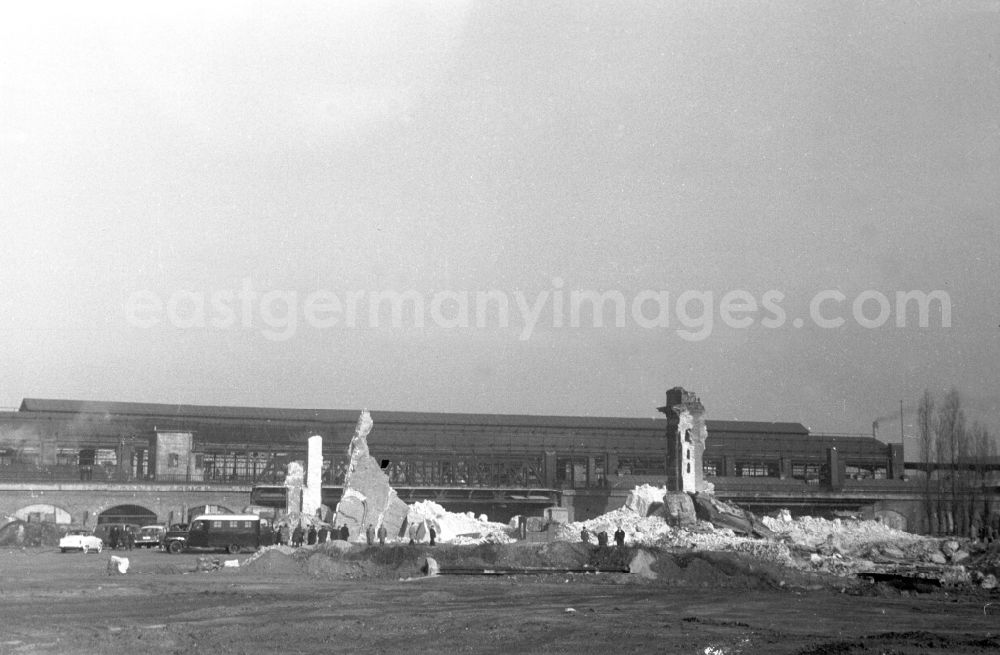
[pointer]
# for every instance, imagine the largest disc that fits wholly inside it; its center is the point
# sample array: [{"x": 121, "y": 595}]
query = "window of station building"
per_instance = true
[
  {"x": 711, "y": 468},
  {"x": 808, "y": 471},
  {"x": 571, "y": 471},
  {"x": 67, "y": 456},
  {"x": 757, "y": 469},
  {"x": 865, "y": 471},
  {"x": 638, "y": 465},
  {"x": 106, "y": 457}
]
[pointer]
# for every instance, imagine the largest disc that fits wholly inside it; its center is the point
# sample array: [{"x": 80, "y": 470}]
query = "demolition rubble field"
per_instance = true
[
  {"x": 719, "y": 582},
  {"x": 339, "y": 597}
]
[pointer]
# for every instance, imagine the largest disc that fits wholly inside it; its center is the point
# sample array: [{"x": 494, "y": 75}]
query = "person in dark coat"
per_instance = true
[
  {"x": 129, "y": 539},
  {"x": 620, "y": 537},
  {"x": 311, "y": 535},
  {"x": 297, "y": 536},
  {"x": 345, "y": 532},
  {"x": 602, "y": 538},
  {"x": 323, "y": 535},
  {"x": 382, "y": 534},
  {"x": 432, "y": 533},
  {"x": 370, "y": 534},
  {"x": 585, "y": 535}
]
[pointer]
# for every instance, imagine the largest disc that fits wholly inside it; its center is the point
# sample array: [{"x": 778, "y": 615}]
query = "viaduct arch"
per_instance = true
[{"x": 82, "y": 503}]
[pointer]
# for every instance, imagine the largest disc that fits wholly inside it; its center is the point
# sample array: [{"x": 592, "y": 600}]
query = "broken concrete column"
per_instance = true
[
  {"x": 312, "y": 493},
  {"x": 294, "y": 479},
  {"x": 686, "y": 436},
  {"x": 368, "y": 499}
]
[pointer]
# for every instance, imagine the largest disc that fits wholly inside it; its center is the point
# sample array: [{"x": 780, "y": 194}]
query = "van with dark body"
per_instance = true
[{"x": 230, "y": 532}]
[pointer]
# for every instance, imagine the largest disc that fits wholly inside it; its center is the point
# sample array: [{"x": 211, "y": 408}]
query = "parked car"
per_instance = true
[
  {"x": 84, "y": 540},
  {"x": 232, "y": 533},
  {"x": 175, "y": 539},
  {"x": 149, "y": 536}
]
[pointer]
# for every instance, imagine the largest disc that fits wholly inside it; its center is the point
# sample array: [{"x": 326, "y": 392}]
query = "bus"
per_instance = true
[{"x": 230, "y": 532}]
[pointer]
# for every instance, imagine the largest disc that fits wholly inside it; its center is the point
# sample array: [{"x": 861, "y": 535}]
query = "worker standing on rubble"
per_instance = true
[
  {"x": 283, "y": 535},
  {"x": 585, "y": 535},
  {"x": 620, "y": 537},
  {"x": 311, "y": 535},
  {"x": 297, "y": 536},
  {"x": 382, "y": 534},
  {"x": 370, "y": 534},
  {"x": 345, "y": 532},
  {"x": 432, "y": 533}
]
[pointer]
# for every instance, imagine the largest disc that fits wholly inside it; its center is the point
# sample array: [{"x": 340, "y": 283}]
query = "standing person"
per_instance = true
[
  {"x": 322, "y": 535},
  {"x": 345, "y": 532},
  {"x": 413, "y": 534},
  {"x": 432, "y": 533},
  {"x": 129, "y": 538},
  {"x": 585, "y": 535},
  {"x": 370, "y": 534},
  {"x": 620, "y": 537},
  {"x": 311, "y": 535},
  {"x": 285, "y": 535},
  {"x": 113, "y": 537},
  {"x": 602, "y": 538},
  {"x": 297, "y": 536},
  {"x": 382, "y": 534}
]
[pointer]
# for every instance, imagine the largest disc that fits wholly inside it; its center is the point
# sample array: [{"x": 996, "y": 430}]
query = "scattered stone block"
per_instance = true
[
  {"x": 938, "y": 558},
  {"x": 641, "y": 564}
]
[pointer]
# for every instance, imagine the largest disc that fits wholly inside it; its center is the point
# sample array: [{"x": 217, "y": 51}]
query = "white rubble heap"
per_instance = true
[
  {"x": 455, "y": 528},
  {"x": 839, "y": 546}
]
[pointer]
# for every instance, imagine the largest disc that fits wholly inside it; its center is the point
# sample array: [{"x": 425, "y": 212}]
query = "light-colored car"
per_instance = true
[
  {"x": 81, "y": 540},
  {"x": 150, "y": 536}
]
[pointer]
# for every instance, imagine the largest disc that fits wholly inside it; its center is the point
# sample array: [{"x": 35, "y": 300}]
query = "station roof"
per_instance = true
[{"x": 111, "y": 409}]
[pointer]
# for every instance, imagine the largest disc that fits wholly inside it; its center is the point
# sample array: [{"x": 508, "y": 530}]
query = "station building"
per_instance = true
[{"x": 499, "y": 464}]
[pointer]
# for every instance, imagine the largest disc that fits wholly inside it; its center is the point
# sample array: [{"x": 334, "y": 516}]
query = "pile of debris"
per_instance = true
[
  {"x": 841, "y": 547},
  {"x": 455, "y": 528}
]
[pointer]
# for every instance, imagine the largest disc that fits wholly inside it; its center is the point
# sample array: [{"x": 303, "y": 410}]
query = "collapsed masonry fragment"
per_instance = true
[{"x": 368, "y": 499}]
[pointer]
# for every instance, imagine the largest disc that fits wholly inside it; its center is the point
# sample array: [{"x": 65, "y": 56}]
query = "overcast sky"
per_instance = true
[{"x": 191, "y": 194}]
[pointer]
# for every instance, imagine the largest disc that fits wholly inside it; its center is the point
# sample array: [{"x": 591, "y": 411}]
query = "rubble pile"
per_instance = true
[
  {"x": 841, "y": 547},
  {"x": 455, "y": 528}
]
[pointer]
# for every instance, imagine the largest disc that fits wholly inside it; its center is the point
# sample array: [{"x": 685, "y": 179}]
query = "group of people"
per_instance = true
[
  {"x": 602, "y": 537},
  {"x": 371, "y": 533},
  {"x": 300, "y": 536},
  {"x": 120, "y": 537}
]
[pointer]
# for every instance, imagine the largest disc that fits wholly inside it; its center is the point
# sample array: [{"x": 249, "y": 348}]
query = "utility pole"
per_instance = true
[{"x": 901, "y": 436}]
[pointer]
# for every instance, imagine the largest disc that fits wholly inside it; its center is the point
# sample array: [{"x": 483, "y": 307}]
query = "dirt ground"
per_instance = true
[{"x": 364, "y": 601}]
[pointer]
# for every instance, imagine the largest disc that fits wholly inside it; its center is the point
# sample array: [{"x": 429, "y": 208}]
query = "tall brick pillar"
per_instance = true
[{"x": 686, "y": 435}]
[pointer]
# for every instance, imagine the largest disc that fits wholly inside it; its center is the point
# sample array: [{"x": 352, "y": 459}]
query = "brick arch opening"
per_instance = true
[
  {"x": 127, "y": 514},
  {"x": 43, "y": 513}
]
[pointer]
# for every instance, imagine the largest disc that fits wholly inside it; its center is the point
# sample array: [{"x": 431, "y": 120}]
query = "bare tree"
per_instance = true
[
  {"x": 982, "y": 451},
  {"x": 952, "y": 448},
  {"x": 927, "y": 435}
]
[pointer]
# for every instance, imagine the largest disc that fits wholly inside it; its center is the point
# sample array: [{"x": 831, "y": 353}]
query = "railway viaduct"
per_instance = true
[{"x": 81, "y": 503}]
